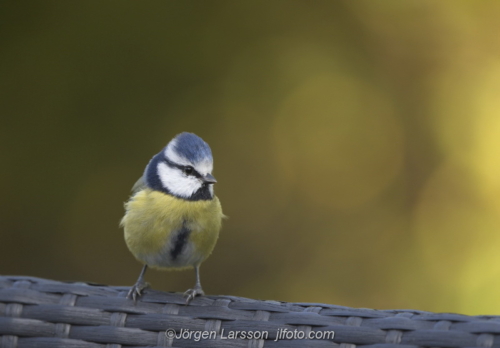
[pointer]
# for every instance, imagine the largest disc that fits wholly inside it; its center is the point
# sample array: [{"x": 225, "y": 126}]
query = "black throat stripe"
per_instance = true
[{"x": 180, "y": 241}]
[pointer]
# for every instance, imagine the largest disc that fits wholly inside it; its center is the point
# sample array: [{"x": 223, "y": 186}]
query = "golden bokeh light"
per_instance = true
[{"x": 337, "y": 141}]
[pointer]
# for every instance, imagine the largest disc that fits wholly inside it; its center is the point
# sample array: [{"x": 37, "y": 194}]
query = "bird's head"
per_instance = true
[{"x": 183, "y": 169}]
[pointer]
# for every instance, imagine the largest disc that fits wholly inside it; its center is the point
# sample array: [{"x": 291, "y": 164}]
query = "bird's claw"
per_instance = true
[
  {"x": 192, "y": 293},
  {"x": 136, "y": 290}
]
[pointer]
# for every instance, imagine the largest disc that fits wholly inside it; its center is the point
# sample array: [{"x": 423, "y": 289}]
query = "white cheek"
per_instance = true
[{"x": 173, "y": 180}]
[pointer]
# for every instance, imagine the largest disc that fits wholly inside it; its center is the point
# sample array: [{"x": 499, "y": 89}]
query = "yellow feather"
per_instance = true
[{"x": 151, "y": 218}]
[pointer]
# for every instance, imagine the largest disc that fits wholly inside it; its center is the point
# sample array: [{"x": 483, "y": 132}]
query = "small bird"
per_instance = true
[{"x": 172, "y": 220}]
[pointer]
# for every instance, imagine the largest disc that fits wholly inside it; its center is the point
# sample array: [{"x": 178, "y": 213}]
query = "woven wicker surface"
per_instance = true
[{"x": 37, "y": 312}]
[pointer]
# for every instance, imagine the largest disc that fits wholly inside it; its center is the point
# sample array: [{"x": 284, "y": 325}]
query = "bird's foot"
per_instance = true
[
  {"x": 136, "y": 290},
  {"x": 192, "y": 293}
]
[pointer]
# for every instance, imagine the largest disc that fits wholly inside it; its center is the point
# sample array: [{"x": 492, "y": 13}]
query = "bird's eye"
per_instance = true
[{"x": 188, "y": 170}]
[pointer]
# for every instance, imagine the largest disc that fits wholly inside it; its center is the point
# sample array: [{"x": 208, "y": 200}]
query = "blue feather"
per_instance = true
[{"x": 192, "y": 147}]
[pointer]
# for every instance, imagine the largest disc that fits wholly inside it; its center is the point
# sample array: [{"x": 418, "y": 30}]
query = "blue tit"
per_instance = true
[{"x": 172, "y": 220}]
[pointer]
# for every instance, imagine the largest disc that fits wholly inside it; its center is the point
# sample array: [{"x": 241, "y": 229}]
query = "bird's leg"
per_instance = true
[
  {"x": 197, "y": 290},
  {"x": 136, "y": 290}
]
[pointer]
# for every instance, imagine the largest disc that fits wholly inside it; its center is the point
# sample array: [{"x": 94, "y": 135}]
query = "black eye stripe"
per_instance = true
[
  {"x": 195, "y": 173},
  {"x": 183, "y": 168}
]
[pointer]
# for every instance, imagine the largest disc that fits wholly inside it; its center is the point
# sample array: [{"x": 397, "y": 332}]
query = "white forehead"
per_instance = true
[{"x": 203, "y": 167}]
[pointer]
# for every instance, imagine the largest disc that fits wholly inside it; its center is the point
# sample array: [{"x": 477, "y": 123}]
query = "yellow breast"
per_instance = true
[{"x": 153, "y": 217}]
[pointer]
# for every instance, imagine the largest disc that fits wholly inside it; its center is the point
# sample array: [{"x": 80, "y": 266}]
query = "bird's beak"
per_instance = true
[{"x": 209, "y": 179}]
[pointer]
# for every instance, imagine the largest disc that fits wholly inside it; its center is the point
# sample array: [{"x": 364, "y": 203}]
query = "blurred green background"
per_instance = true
[{"x": 356, "y": 143}]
